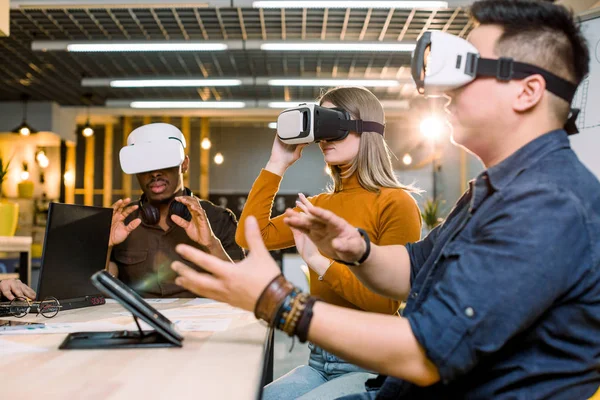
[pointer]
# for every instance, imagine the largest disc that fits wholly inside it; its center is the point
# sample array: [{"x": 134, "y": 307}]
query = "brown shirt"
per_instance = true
[{"x": 144, "y": 258}]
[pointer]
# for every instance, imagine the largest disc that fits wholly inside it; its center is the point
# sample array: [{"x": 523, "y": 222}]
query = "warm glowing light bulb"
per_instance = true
[
  {"x": 69, "y": 177},
  {"x": 40, "y": 154},
  {"x": 43, "y": 160},
  {"x": 205, "y": 144},
  {"x": 24, "y": 131},
  {"x": 24, "y": 175},
  {"x": 87, "y": 131},
  {"x": 219, "y": 159},
  {"x": 431, "y": 127}
]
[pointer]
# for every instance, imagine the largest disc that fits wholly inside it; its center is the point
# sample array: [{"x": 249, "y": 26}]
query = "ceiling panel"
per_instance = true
[{"x": 57, "y": 75}]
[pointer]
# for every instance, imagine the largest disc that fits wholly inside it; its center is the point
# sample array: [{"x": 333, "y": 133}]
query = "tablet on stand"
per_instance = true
[{"x": 163, "y": 335}]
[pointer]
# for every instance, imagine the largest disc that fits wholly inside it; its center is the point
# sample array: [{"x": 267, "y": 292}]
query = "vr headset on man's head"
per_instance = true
[
  {"x": 153, "y": 147},
  {"x": 442, "y": 62},
  {"x": 309, "y": 123}
]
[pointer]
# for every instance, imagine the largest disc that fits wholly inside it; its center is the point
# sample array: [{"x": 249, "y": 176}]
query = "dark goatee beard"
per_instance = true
[{"x": 168, "y": 200}]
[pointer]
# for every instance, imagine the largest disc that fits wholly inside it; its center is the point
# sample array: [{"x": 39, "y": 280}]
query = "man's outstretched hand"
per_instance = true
[{"x": 237, "y": 284}]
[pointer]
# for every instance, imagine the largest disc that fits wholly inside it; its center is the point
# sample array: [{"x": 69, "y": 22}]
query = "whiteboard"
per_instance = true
[{"x": 587, "y": 98}]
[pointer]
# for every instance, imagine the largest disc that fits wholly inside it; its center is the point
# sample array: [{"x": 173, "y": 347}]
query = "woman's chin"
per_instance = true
[{"x": 332, "y": 160}]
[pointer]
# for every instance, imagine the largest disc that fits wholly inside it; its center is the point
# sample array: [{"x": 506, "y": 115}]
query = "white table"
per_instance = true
[
  {"x": 211, "y": 365},
  {"x": 21, "y": 245}
]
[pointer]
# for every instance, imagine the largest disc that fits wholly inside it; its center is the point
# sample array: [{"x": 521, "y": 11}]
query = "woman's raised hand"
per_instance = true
[{"x": 283, "y": 156}]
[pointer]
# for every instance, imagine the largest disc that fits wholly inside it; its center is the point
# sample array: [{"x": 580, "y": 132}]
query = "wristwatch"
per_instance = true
[{"x": 364, "y": 257}]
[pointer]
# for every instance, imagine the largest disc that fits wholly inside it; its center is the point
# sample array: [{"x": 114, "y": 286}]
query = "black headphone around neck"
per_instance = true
[{"x": 151, "y": 214}]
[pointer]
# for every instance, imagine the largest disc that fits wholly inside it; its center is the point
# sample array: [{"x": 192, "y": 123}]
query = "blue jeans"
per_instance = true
[
  {"x": 325, "y": 377},
  {"x": 372, "y": 395}
]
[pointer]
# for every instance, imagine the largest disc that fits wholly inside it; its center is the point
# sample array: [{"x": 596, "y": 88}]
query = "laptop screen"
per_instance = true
[{"x": 75, "y": 247}]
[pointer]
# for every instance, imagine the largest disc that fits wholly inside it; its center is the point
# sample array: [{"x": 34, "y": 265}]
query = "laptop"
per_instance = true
[{"x": 75, "y": 247}]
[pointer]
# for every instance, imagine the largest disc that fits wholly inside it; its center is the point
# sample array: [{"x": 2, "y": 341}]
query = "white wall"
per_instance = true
[
  {"x": 42, "y": 116},
  {"x": 246, "y": 151}
]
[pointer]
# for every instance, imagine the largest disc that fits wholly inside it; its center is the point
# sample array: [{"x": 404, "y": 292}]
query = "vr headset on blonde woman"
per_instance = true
[
  {"x": 443, "y": 62},
  {"x": 309, "y": 123}
]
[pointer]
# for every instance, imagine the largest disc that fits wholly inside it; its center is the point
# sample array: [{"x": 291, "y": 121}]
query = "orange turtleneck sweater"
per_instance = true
[{"x": 390, "y": 217}]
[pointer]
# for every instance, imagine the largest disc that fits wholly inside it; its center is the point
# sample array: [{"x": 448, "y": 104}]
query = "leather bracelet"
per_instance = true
[
  {"x": 364, "y": 257},
  {"x": 271, "y": 299},
  {"x": 304, "y": 322}
]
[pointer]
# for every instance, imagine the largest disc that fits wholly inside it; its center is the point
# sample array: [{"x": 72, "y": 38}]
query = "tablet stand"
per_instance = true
[{"x": 116, "y": 340}]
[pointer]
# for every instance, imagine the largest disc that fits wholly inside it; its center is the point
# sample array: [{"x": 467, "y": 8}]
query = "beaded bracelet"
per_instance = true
[
  {"x": 279, "y": 318},
  {"x": 285, "y": 307},
  {"x": 294, "y": 315},
  {"x": 284, "y": 311}
]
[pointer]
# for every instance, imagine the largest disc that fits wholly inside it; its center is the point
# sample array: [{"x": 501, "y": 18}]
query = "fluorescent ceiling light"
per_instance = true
[
  {"x": 187, "y": 104},
  {"x": 337, "y": 46},
  {"x": 349, "y": 4},
  {"x": 334, "y": 82},
  {"x": 143, "y": 82},
  {"x": 390, "y": 104},
  {"x": 178, "y": 45},
  {"x": 133, "y": 46},
  {"x": 288, "y": 104},
  {"x": 231, "y": 104},
  {"x": 129, "y": 83}
]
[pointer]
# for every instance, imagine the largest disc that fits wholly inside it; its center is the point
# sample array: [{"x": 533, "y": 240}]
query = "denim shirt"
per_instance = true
[{"x": 505, "y": 294}]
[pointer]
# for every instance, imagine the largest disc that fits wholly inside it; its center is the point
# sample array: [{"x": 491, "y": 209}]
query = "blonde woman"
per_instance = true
[{"x": 364, "y": 192}]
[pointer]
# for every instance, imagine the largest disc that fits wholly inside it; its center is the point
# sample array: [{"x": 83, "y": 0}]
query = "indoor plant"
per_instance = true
[
  {"x": 431, "y": 213},
  {"x": 9, "y": 211}
]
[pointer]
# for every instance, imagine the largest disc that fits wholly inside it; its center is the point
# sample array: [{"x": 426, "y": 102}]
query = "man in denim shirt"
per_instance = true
[
  {"x": 503, "y": 299},
  {"x": 504, "y": 296}
]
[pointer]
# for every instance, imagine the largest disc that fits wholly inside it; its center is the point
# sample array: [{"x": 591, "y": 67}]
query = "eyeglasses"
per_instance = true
[{"x": 21, "y": 306}]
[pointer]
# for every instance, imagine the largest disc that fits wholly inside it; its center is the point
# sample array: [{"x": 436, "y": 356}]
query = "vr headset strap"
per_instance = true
[
  {"x": 505, "y": 69},
  {"x": 360, "y": 126}
]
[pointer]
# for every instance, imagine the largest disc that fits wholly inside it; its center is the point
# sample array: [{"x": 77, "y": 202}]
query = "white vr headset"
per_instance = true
[
  {"x": 152, "y": 147},
  {"x": 309, "y": 123},
  {"x": 442, "y": 62}
]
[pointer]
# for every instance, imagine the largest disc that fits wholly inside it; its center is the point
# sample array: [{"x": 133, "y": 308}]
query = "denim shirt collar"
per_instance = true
[
  {"x": 504, "y": 173},
  {"x": 501, "y": 175}
]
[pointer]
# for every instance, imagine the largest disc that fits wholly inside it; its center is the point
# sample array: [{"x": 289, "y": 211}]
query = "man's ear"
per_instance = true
[
  {"x": 530, "y": 93},
  {"x": 185, "y": 165}
]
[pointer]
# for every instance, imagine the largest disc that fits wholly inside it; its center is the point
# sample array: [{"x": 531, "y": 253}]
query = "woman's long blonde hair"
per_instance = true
[{"x": 373, "y": 163}]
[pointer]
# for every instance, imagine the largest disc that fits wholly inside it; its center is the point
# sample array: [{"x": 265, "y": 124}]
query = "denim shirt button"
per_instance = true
[
  {"x": 414, "y": 295},
  {"x": 469, "y": 312}
]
